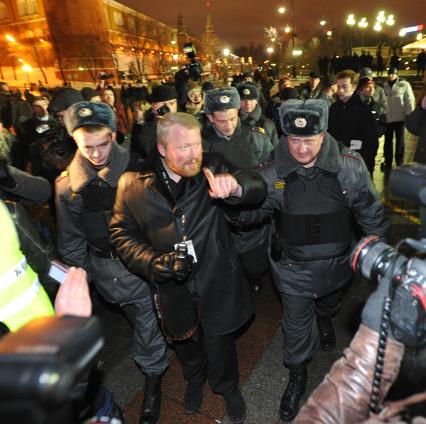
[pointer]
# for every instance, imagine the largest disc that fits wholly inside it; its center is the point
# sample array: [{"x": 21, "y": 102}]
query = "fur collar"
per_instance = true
[
  {"x": 328, "y": 158},
  {"x": 81, "y": 172}
]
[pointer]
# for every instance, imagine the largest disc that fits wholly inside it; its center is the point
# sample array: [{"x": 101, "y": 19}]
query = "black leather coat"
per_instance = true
[{"x": 148, "y": 221}]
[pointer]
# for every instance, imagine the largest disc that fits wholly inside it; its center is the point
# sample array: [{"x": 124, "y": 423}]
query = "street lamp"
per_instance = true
[
  {"x": 323, "y": 22},
  {"x": 350, "y": 20},
  {"x": 287, "y": 29},
  {"x": 226, "y": 52},
  {"x": 270, "y": 50},
  {"x": 281, "y": 10}
]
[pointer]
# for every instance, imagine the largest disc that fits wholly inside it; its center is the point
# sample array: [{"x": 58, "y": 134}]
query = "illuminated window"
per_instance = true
[
  {"x": 131, "y": 22},
  {"x": 118, "y": 18},
  {"x": 3, "y": 11},
  {"x": 27, "y": 7}
]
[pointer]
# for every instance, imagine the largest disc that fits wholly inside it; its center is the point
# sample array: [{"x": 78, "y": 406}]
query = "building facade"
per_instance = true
[{"x": 74, "y": 40}]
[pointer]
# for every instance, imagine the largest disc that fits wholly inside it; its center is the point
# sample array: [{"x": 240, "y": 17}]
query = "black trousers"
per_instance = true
[
  {"x": 398, "y": 129},
  {"x": 213, "y": 357},
  {"x": 298, "y": 324}
]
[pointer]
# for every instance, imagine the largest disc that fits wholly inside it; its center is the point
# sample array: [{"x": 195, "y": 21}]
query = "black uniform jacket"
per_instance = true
[{"x": 148, "y": 221}]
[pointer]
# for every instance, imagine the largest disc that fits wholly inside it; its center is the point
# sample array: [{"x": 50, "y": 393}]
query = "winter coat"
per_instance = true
[
  {"x": 148, "y": 221},
  {"x": 316, "y": 278},
  {"x": 401, "y": 101},
  {"x": 344, "y": 394},
  {"x": 416, "y": 124},
  {"x": 111, "y": 277},
  {"x": 245, "y": 149},
  {"x": 353, "y": 121},
  {"x": 257, "y": 119}
]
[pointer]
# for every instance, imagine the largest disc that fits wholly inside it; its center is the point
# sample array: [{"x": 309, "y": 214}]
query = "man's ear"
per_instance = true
[
  {"x": 210, "y": 118},
  {"x": 114, "y": 136},
  {"x": 161, "y": 150}
]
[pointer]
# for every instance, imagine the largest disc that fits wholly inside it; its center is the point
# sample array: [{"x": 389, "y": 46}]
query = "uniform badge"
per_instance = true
[
  {"x": 85, "y": 111},
  {"x": 262, "y": 130},
  {"x": 246, "y": 91},
  {"x": 279, "y": 185},
  {"x": 224, "y": 99},
  {"x": 300, "y": 122}
]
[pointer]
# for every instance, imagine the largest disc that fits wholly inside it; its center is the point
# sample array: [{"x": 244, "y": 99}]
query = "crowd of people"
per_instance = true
[{"x": 177, "y": 208}]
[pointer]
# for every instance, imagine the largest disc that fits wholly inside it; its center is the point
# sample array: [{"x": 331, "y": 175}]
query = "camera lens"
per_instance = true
[{"x": 371, "y": 257}]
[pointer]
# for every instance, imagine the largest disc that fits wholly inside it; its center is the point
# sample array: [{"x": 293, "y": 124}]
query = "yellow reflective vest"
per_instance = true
[{"x": 22, "y": 298}]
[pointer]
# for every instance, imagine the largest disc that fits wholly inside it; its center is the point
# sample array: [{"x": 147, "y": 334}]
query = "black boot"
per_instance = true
[
  {"x": 193, "y": 397},
  {"x": 152, "y": 400},
  {"x": 326, "y": 333},
  {"x": 289, "y": 406}
]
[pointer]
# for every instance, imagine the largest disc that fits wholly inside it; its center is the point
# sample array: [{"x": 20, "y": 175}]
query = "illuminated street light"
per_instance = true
[
  {"x": 287, "y": 29},
  {"x": 27, "y": 68},
  {"x": 323, "y": 22},
  {"x": 377, "y": 26},
  {"x": 21, "y": 60},
  {"x": 10, "y": 38},
  {"x": 351, "y": 20},
  {"x": 281, "y": 10},
  {"x": 363, "y": 23},
  {"x": 390, "y": 20},
  {"x": 270, "y": 50},
  {"x": 226, "y": 52},
  {"x": 297, "y": 52},
  {"x": 80, "y": 68},
  {"x": 173, "y": 42},
  {"x": 329, "y": 33}
]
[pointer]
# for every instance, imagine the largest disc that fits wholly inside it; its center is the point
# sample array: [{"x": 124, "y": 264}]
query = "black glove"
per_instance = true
[
  {"x": 6, "y": 180},
  {"x": 170, "y": 266}
]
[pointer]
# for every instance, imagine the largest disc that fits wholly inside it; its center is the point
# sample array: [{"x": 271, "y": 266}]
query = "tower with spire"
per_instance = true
[{"x": 209, "y": 41}]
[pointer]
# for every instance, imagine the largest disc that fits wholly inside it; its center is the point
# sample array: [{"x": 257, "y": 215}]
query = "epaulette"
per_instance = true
[
  {"x": 61, "y": 176},
  {"x": 265, "y": 164},
  {"x": 259, "y": 130},
  {"x": 351, "y": 154}
]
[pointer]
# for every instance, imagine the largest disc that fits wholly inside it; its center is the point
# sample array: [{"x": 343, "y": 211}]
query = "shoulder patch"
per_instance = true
[
  {"x": 61, "y": 176},
  {"x": 279, "y": 185},
  {"x": 259, "y": 130},
  {"x": 350, "y": 154}
]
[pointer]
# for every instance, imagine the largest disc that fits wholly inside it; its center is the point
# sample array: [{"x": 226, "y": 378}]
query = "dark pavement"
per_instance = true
[{"x": 263, "y": 377}]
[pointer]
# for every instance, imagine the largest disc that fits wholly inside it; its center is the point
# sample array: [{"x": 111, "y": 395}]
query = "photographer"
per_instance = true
[
  {"x": 164, "y": 101},
  {"x": 344, "y": 394}
]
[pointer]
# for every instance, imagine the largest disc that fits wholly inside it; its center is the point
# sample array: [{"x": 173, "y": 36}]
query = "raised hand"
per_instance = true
[{"x": 222, "y": 186}]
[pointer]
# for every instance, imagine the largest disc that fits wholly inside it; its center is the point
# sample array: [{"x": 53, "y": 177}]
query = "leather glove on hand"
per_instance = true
[
  {"x": 170, "y": 267},
  {"x": 6, "y": 180}
]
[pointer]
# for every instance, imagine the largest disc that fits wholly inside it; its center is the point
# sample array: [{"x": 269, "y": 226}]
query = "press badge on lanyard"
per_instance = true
[{"x": 190, "y": 247}]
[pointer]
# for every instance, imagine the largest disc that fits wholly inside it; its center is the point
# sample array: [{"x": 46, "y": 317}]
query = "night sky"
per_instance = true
[{"x": 238, "y": 22}]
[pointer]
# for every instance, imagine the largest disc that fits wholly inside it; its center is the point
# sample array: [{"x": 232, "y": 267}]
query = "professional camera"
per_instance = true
[
  {"x": 194, "y": 67},
  {"x": 55, "y": 151},
  {"x": 105, "y": 76},
  {"x": 161, "y": 111},
  {"x": 41, "y": 366},
  {"x": 374, "y": 259}
]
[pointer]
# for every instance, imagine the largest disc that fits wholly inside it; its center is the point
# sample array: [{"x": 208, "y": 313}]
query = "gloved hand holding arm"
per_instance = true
[{"x": 170, "y": 266}]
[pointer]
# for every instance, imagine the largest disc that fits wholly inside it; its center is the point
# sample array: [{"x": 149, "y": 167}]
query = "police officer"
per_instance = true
[
  {"x": 315, "y": 187},
  {"x": 85, "y": 195},
  {"x": 244, "y": 147},
  {"x": 251, "y": 112}
]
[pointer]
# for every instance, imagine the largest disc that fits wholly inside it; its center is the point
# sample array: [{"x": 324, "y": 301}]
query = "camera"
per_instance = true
[
  {"x": 105, "y": 76},
  {"x": 194, "y": 67},
  {"x": 54, "y": 150},
  {"x": 161, "y": 111},
  {"x": 42, "y": 364},
  {"x": 374, "y": 260}
]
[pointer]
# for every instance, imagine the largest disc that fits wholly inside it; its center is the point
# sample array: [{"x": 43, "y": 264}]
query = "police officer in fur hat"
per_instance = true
[
  {"x": 85, "y": 195},
  {"x": 244, "y": 147},
  {"x": 315, "y": 189},
  {"x": 251, "y": 113}
]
